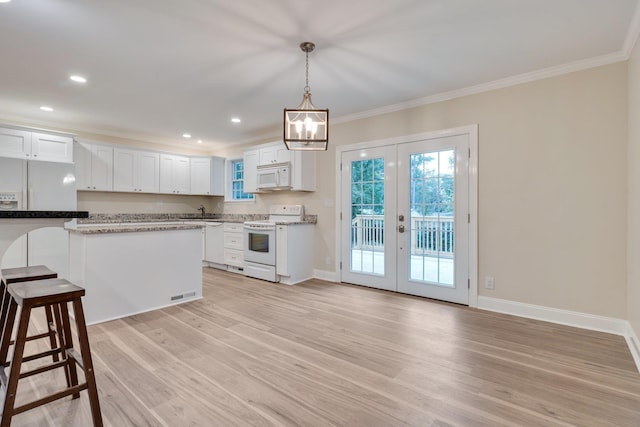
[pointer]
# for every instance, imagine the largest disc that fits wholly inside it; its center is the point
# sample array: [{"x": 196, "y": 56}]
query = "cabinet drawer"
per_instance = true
[
  {"x": 233, "y": 227},
  {"x": 233, "y": 241},
  {"x": 234, "y": 257}
]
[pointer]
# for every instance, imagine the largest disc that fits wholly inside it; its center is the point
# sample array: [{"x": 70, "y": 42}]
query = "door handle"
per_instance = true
[{"x": 401, "y": 228}]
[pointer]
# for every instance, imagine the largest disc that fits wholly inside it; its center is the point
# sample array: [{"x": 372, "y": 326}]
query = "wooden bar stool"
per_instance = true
[
  {"x": 56, "y": 293},
  {"x": 27, "y": 274}
]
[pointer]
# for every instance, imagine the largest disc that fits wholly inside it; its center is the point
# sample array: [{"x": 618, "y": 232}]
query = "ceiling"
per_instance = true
[{"x": 157, "y": 69}]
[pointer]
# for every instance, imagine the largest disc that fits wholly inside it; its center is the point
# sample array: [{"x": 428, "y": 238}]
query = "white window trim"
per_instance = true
[{"x": 228, "y": 180}]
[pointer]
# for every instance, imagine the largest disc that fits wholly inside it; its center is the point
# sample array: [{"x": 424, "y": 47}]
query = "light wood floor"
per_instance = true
[{"x": 315, "y": 354}]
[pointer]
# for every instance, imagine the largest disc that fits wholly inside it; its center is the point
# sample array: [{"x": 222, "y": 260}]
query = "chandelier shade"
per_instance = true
[{"x": 306, "y": 127}]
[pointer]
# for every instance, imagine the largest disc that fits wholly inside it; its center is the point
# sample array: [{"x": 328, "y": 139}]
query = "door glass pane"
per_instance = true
[
  {"x": 432, "y": 217},
  {"x": 367, "y": 216}
]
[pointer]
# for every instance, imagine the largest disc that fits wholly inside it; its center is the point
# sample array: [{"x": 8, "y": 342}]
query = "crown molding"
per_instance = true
[
  {"x": 632, "y": 34},
  {"x": 493, "y": 85}
]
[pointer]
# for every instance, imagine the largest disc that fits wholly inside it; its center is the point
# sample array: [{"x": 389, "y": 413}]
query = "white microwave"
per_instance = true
[{"x": 274, "y": 177}]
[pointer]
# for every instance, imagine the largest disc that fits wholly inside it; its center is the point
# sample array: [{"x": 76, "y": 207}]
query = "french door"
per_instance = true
[{"x": 405, "y": 217}]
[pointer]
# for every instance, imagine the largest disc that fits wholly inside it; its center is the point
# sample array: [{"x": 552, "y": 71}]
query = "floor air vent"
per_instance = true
[{"x": 181, "y": 296}]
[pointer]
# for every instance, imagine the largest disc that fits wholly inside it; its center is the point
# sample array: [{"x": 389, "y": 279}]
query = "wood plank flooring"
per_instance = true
[{"x": 316, "y": 354}]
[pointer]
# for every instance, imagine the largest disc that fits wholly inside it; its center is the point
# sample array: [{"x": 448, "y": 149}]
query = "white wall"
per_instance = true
[{"x": 633, "y": 157}]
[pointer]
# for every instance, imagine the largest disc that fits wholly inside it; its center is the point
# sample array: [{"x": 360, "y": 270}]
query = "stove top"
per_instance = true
[{"x": 281, "y": 213}]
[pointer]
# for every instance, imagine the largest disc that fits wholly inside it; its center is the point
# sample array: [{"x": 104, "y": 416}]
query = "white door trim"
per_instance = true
[{"x": 472, "y": 132}]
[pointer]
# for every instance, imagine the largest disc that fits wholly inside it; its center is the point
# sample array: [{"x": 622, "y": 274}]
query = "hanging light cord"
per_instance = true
[{"x": 306, "y": 86}]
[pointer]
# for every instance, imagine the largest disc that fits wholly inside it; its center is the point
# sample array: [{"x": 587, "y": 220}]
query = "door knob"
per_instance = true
[
  {"x": 401, "y": 228},
  {"x": 400, "y": 218}
]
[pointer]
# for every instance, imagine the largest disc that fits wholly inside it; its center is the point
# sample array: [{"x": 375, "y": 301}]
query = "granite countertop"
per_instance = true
[
  {"x": 43, "y": 214},
  {"x": 123, "y": 219},
  {"x": 131, "y": 228}
]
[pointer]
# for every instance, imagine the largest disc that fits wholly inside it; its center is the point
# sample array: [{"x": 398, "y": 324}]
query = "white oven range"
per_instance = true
[{"x": 260, "y": 241}]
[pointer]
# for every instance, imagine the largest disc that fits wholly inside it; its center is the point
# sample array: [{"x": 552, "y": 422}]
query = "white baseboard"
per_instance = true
[
  {"x": 564, "y": 317},
  {"x": 329, "y": 276},
  {"x": 634, "y": 344}
]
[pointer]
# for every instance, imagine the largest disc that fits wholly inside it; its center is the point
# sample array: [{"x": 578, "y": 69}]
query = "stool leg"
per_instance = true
[
  {"x": 52, "y": 335},
  {"x": 16, "y": 362},
  {"x": 85, "y": 351},
  {"x": 7, "y": 328},
  {"x": 68, "y": 345},
  {"x": 4, "y": 309}
]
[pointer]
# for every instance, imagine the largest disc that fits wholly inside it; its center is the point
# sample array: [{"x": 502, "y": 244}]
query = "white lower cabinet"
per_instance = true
[
  {"x": 233, "y": 245},
  {"x": 214, "y": 238}
]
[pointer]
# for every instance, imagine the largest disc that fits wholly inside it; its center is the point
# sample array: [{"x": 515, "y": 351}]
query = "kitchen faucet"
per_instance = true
[{"x": 201, "y": 209}]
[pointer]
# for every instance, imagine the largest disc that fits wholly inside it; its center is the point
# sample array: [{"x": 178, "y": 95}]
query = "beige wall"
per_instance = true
[
  {"x": 552, "y": 186},
  {"x": 633, "y": 156}
]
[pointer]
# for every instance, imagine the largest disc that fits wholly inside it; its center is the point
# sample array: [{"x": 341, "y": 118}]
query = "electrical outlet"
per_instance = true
[{"x": 489, "y": 282}]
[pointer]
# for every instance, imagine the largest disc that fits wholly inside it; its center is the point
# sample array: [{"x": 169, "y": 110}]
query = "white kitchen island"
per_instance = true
[{"x": 130, "y": 269}]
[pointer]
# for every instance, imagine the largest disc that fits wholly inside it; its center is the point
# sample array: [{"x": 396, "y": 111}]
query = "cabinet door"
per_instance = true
[
  {"x": 148, "y": 172},
  {"x": 267, "y": 156},
  {"x": 181, "y": 178},
  {"x": 251, "y": 171},
  {"x": 82, "y": 159},
  {"x": 51, "y": 148},
  {"x": 101, "y": 168},
  {"x": 124, "y": 170},
  {"x": 282, "y": 154},
  {"x": 166, "y": 173},
  {"x": 214, "y": 249},
  {"x": 200, "y": 176},
  {"x": 15, "y": 143}
]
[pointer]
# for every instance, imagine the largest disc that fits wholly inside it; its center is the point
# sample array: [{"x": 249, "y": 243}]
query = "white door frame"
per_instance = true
[{"x": 472, "y": 132}]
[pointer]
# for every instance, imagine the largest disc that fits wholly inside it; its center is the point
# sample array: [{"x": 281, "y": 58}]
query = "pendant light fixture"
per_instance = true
[{"x": 306, "y": 127}]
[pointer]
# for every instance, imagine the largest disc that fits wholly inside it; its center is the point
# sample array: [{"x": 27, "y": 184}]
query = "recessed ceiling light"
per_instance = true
[
  {"x": 199, "y": 141},
  {"x": 78, "y": 79},
  {"x": 186, "y": 135},
  {"x": 5, "y": 1},
  {"x": 235, "y": 120},
  {"x": 45, "y": 108}
]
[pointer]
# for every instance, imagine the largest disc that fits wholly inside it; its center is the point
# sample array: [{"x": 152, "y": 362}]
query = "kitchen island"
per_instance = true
[{"x": 132, "y": 268}]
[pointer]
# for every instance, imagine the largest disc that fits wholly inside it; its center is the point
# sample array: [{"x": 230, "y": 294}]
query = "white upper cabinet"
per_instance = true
[
  {"x": 251, "y": 160},
  {"x": 24, "y": 144},
  {"x": 276, "y": 153},
  {"x": 207, "y": 176},
  {"x": 303, "y": 166},
  {"x": 136, "y": 171},
  {"x": 175, "y": 175},
  {"x": 94, "y": 166}
]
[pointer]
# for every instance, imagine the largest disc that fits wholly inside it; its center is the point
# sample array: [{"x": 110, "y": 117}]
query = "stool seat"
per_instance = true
[
  {"x": 42, "y": 292},
  {"x": 25, "y": 274}
]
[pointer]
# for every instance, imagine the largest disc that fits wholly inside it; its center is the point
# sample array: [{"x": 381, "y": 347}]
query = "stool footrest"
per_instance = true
[
  {"x": 42, "y": 369},
  {"x": 64, "y": 393}
]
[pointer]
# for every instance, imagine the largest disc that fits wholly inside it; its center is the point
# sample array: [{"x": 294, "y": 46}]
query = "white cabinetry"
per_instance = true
[
  {"x": 214, "y": 243},
  {"x": 24, "y": 144},
  {"x": 251, "y": 159},
  {"x": 233, "y": 244},
  {"x": 276, "y": 153},
  {"x": 294, "y": 253},
  {"x": 136, "y": 171},
  {"x": 94, "y": 166},
  {"x": 303, "y": 166},
  {"x": 207, "y": 176},
  {"x": 174, "y": 174}
]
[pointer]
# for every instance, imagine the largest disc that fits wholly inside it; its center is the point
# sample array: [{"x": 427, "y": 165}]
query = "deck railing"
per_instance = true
[{"x": 430, "y": 235}]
